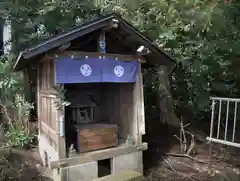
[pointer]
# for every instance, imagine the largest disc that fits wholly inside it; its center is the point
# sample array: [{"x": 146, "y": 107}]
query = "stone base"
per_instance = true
[
  {"x": 132, "y": 161},
  {"x": 123, "y": 176},
  {"x": 84, "y": 172},
  {"x": 46, "y": 151}
]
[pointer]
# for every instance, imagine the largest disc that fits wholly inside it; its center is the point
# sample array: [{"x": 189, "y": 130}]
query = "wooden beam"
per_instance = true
[
  {"x": 64, "y": 46},
  {"x": 112, "y": 24},
  {"x": 79, "y": 54},
  {"x": 82, "y": 44},
  {"x": 49, "y": 131},
  {"x": 98, "y": 155},
  {"x": 51, "y": 93}
]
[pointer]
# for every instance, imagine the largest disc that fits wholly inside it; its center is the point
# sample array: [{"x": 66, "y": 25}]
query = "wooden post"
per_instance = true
[
  {"x": 38, "y": 100},
  {"x": 210, "y": 155},
  {"x": 60, "y": 114},
  {"x": 102, "y": 43},
  {"x": 211, "y": 134}
]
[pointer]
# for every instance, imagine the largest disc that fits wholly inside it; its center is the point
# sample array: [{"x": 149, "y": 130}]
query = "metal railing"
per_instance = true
[{"x": 227, "y": 121}]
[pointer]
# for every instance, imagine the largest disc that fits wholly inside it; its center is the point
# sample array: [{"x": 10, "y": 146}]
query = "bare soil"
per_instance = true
[
  {"x": 28, "y": 163},
  {"x": 159, "y": 166}
]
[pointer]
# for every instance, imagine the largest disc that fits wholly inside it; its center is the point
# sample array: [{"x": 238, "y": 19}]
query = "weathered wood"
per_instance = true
[
  {"x": 98, "y": 155},
  {"x": 79, "y": 54},
  {"x": 124, "y": 106},
  {"x": 26, "y": 78},
  {"x": 49, "y": 131},
  {"x": 38, "y": 100},
  {"x": 49, "y": 115},
  {"x": 141, "y": 111},
  {"x": 96, "y": 136},
  {"x": 138, "y": 122},
  {"x": 46, "y": 93}
]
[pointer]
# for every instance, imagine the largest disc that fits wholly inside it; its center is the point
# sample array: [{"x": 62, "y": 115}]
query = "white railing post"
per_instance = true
[
  {"x": 235, "y": 119},
  {"x": 226, "y": 124},
  {"x": 219, "y": 117},
  {"x": 212, "y": 118},
  {"x": 226, "y": 139}
]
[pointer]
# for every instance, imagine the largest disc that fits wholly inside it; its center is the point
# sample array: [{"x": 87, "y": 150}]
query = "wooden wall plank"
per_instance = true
[
  {"x": 141, "y": 109},
  {"x": 49, "y": 132},
  {"x": 48, "y": 113},
  {"x": 126, "y": 114},
  {"x": 39, "y": 101}
]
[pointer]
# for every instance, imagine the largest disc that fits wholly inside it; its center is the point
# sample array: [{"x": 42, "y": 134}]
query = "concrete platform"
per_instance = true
[{"x": 127, "y": 175}]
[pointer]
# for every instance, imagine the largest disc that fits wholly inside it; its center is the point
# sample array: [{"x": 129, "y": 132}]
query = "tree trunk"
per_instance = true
[{"x": 167, "y": 115}]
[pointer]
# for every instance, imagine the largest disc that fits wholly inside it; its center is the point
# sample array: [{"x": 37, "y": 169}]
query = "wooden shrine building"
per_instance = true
[{"x": 98, "y": 67}]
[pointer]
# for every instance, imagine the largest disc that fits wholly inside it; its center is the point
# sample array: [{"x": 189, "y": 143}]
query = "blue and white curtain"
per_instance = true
[{"x": 89, "y": 70}]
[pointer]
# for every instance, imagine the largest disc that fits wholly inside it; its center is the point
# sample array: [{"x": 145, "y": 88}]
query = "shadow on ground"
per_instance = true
[
  {"x": 158, "y": 165},
  {"x": 22, "y": 165},
  {"x": 160, "y": 141}
]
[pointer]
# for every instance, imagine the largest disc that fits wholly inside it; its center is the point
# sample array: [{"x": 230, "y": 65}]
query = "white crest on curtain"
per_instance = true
[
  {"x": 86, "y": 70},
  {"x": 119, "y": 70}
]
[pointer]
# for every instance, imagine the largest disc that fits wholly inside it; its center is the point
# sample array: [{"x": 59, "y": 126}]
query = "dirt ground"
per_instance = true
[
  {"x": 159, "y": 162},
  {"x": 27, "y": 163},
  {"x": 162, "y": 164}
]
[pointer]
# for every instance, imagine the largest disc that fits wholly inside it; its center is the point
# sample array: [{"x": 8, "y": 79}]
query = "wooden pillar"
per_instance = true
[
  {"x": 38, "y": 100},
  {"x": 60, "y": 117},
  {"x": 102, "y": 43}
]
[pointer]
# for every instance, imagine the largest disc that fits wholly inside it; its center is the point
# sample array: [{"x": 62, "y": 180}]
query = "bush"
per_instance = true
[
  {"x": 18, "y": 137},
  {"x": 13, "y": 106}
]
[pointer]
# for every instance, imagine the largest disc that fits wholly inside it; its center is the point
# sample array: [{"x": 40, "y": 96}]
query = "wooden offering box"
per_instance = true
[{"x": 96, "y": 136}]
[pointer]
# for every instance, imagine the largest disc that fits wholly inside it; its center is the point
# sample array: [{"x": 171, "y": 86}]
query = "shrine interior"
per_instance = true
[{"x": 104, "y": 106}]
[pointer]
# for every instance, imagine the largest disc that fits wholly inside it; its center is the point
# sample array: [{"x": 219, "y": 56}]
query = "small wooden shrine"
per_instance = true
[{"x": 99, "y": 66}]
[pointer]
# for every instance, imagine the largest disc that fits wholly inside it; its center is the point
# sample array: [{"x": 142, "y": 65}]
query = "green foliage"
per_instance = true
[
  {"x": 18, "y": 137},
  {"x": 11, "y": 87},
  {"x": 15, "y": 109},
  {"x": 202, "y": 36},
  {"x": 10, "y": 82},
  {"x": 34, "y": 20}
]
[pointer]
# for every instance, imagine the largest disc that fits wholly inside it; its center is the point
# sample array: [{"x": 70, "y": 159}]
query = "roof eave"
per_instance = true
[
  {"x": 147, "y": 42},
  {"x": 88, "y": 28}
]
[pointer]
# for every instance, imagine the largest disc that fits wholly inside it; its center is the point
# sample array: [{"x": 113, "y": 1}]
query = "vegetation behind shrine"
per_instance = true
[{"x": 202, "y": 36}]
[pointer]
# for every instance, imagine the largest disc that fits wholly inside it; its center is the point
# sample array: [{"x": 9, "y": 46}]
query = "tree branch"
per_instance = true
[
  {"x": 186, "y": 156},
  {"x": 179, "y": 174}
]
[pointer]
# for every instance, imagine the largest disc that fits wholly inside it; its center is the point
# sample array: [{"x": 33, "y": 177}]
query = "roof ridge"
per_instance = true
[{"x": 85, "y": 23}]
